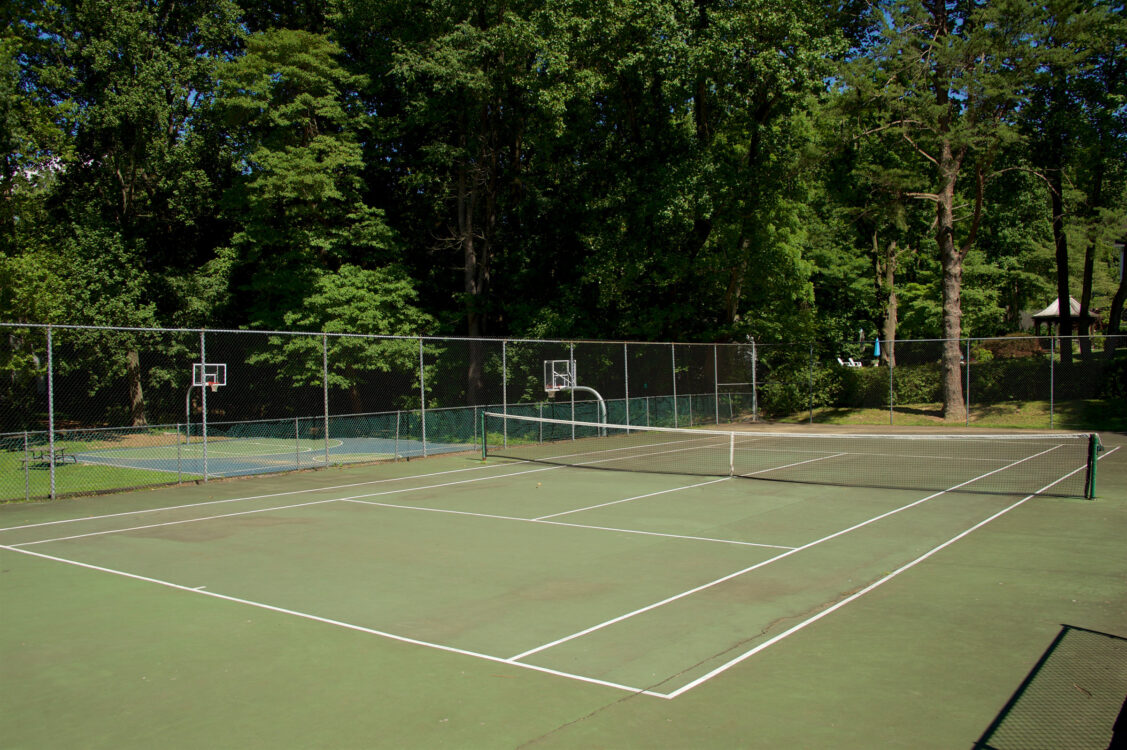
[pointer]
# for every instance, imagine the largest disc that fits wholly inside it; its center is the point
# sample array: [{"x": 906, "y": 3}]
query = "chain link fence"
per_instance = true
[{"x": 86, "y": 409}]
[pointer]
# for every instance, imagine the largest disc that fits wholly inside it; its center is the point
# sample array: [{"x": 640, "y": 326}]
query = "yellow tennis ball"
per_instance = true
[{"x": 538, "y": 484}]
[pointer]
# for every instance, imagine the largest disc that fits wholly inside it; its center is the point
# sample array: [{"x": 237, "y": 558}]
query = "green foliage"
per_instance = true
[
  {"x": 351, "y": 300},
  {"x": 293, "y": 118},
  {"x": 646, "y": 169}
]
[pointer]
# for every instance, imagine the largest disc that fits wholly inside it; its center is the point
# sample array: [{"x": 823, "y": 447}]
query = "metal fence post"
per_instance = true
[
  {"x": 51, "y": 410},
  {"x": 891, "y": 390},
  {"x": 810, "y": 396},
  {"x": 325, "y": 388},
  {"x": 626, "y": 376},
  {"x": 1052, "y": 384},
  {"x": 574, "y": 381},
  {"x": 505, "y": 391},
  {"x": 716, "y": 379},
  {"x": 968, "y": 383},
  {"x": 26, "y": 469},
  {"x": 754, "y": 383},
  {"x": 203, "y": 401},
  {"x": 422, "y": 398},
  {"x": 673, "y": 365}
]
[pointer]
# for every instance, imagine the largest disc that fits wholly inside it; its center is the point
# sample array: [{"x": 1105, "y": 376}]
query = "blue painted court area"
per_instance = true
[{"x": 232, "y": 457}]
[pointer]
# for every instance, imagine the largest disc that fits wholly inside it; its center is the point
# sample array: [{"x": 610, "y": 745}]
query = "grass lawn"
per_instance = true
[
  {"x": 1088, "y": 414},
  {"x": 18, "y": 482}
]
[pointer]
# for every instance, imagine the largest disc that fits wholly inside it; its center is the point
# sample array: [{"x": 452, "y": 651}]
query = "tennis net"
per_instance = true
[{"x": 1054, "y": 464}]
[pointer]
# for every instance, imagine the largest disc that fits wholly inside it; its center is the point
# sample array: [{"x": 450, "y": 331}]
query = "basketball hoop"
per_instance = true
[{"x": 210, "y": 375}]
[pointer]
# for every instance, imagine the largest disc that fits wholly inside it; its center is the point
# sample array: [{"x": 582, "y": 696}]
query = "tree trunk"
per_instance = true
[
  {"x": 1084, "y": 325},
  {"x": 1064, "y": 309},
  {"x": 136, "y": 394},
  {"x": 736, "y": 276},
  {"x": 475, "y": 277},
  {"x": 886, "y": 282},
  {"x": 1116, "y": 313},
  {"x": 954, "y": 407}
]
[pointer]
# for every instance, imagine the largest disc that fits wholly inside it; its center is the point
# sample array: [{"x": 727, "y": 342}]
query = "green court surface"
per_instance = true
[{"x": 450, "y": 602}]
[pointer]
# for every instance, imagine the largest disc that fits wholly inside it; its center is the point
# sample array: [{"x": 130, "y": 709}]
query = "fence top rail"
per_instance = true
[
  {"x": 517, "y": 340},
  {"x": 331, "y": 334}
]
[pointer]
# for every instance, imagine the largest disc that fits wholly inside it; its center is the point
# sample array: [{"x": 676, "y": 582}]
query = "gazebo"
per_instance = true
[{"x": 1051, "y": 315}]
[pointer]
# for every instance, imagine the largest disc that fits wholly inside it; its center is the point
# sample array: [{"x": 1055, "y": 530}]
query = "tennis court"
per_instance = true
[{"x": 529, "y": 599}]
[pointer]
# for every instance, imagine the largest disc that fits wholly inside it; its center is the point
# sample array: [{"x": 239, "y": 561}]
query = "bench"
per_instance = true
[{"x": 44, "y": 456}]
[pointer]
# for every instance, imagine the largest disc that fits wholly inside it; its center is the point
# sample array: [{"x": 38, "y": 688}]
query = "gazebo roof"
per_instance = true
[{"x": 1052, "y": 312}]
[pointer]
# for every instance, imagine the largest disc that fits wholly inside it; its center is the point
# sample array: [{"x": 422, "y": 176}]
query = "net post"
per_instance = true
[
  {"x": 731, "y": 454},
  {"x": 1094, "y": 448}
]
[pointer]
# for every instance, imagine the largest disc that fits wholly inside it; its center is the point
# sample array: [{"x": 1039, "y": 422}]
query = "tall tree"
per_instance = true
[
  {"x": 1068, "y": 124},
  {"x": 126, "y": 82},
  {"x": 294, "y": 123},
  {"x": 947, "y": 78}
]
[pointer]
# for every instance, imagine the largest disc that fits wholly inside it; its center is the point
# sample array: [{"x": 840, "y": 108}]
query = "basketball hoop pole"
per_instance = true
[
  {"x": 188, "y": 406},
  {"x": 188, "y": 415},
  {"x": 602, "y": 403}
]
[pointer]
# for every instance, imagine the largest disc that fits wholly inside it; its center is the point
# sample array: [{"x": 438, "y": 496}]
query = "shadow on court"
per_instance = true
[{"x": 1071, "y": 698}]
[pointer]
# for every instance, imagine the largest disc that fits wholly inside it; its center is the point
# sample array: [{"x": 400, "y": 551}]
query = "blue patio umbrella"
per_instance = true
[{"x": 876, "y": 348}]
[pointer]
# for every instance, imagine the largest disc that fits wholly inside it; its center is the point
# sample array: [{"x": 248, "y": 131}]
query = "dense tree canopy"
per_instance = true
[{"x": 632, "y": 169}]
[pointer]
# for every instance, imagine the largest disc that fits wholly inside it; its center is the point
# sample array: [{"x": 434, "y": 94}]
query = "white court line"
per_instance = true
[
  {"x": 796, "y": 463},
  {"x": 200, "y": 590},
  {"x": 857, "y": 595},
  {"x": 511, "y": 660},
  {"x": 118, "y": 465},
  {"x": 274, "y": 508},
  {"x": 570, "y": 525},
  {"x": 671, "y": 536},
  {"x": 194, "y": 451},
  {"x": 263, "y": 497},
  {"x": 605, "y": 451},
  {"x": 768, "y": 561},
  {"x": 628, "y": 499}
]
